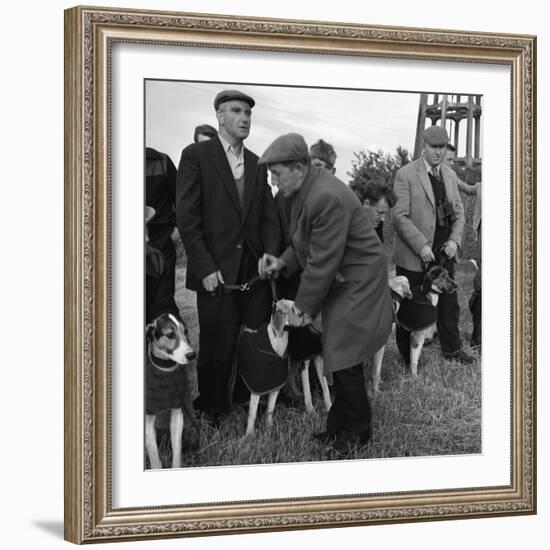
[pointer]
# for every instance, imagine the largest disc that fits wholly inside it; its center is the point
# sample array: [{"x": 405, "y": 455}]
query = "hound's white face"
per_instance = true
[
  {"x": 401, "y": 286},
  {"x": 169, "y": 335},
  {"x": 279, "y": 318}
]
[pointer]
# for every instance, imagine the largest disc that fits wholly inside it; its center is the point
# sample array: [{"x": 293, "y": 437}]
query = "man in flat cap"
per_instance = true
[
  {"x": 343, "y": 276},
  {"x": 227, "y": 220},
  {"x": 428, "y": 218}
]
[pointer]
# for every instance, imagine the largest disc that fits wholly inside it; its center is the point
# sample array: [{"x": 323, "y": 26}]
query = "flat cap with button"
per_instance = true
[
  {"x": 285, "y": 148},
  {"x": 435, "y": 136},
  {"x": 232, "y": 95}
]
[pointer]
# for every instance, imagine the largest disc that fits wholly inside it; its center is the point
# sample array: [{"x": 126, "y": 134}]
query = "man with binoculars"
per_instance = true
[{"x": 428, "y": 218}]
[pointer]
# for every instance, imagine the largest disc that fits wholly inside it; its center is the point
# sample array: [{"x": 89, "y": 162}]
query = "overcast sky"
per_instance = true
[{"x": 351, "y": 120}]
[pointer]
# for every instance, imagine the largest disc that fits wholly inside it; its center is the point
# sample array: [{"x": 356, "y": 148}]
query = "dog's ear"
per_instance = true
[
  {"x": 427, "y": 282},
  {"x": 407, "y": 289},
  {"x": 150, "y": 331}
]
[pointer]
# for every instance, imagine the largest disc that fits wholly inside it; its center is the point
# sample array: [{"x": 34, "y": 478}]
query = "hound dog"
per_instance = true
[
  {"x": 305, "y": 347},
  {"x": 418, "y": 315},
  {"x": 261, "y": 361},
  {"x": 400, "y": 290},
  {"x": 167, "y": 382}
]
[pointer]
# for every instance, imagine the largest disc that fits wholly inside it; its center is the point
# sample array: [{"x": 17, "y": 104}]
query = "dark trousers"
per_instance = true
[
  {"x": 448, "y": 313},
  {"x": 475, "y": 299},
  {"x": 159, "y": 291},
  {"x": 475, "y": 309},
  {"x": 350, "y": 415},
  {"x": 221, "y": 316}
]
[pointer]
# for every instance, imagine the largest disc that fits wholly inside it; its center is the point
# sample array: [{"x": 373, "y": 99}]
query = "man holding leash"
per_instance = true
[
  {"x": 227, "y": 219},
  {"x": 343, "y": 277},
  {"x": 428, "y": 218}
]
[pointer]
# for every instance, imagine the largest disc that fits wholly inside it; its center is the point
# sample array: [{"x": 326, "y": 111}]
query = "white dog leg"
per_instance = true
[
  {"x": 271, "y": 407},
  {"x": 319, "y": 367},
  {"x": 151, "y": 442},
  {"x": 416, "y": 347},
  {"x": 304, "y": 374},
  {"x": 252, "y": 411},
  {"x": 176, "y": 433},
  {"x": 378, "y": 356}
]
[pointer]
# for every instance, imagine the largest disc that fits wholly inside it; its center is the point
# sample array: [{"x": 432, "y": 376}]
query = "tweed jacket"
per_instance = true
[
  {"x": 213, "y": 224},
  {"x": 344, "y": 271},
  {"x": 414, "y": 214}
]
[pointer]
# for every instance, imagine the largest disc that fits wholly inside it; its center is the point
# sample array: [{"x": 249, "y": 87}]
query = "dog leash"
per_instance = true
[{"x": 244, "y": 287}]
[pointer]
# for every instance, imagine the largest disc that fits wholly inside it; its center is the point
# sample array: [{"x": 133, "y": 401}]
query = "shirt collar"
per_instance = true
[
  {"x": 228, "y": 147},
  {"x": 429, "y": 167}
]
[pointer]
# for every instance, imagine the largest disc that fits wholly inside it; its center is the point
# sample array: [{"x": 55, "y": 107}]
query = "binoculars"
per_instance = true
[{"x": 445, "y": 213}]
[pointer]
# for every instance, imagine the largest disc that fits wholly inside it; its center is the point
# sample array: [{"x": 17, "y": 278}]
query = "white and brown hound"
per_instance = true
[{"x": 167, "y": 381}]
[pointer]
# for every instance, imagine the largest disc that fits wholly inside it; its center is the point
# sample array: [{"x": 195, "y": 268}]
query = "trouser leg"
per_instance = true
[
  {"x": 219, "y": 327},
  {"x": 448, "y": 316},
  {"x": 475, "y": 309},
  {"x": 350, "y": 415}
]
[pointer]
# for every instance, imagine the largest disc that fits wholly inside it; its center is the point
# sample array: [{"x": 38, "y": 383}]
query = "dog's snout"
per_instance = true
[{"x": 191, "y": 355}]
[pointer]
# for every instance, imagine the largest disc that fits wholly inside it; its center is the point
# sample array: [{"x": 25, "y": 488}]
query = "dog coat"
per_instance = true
[
  {"x": 163, "y": 390},
  {"x": 261, "y": 369},
  {"x": 303, "y": 343},
  {"x": 416, "y": 313}
]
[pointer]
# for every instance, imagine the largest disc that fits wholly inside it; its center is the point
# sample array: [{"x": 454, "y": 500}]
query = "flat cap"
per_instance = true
[
  {"x": 436, "y": 136},
  {"x": 229, "y": 95},
  {"x": 285, "y": 148}
]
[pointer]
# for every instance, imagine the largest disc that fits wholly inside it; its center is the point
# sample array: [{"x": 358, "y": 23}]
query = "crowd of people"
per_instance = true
[{"x": 314, "y": 236}]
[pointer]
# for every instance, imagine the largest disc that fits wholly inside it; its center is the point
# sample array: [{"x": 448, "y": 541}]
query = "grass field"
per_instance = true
[{"x": 437, "y": 414}]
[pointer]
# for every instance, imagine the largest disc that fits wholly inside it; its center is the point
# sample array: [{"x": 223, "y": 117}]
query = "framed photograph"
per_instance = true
[{"x": 183, "y": 117}]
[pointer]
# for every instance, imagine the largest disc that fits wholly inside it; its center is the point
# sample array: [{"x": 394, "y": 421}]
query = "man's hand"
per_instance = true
[
  {"x": 426, "y": 254},
  {"x": 175, "y": 235},
  {"x": 269, "y": 266},
  {"x": 210, "y": 283},
  {"x": 450, "y": 248},
  {"x": 299, "y": 319}
]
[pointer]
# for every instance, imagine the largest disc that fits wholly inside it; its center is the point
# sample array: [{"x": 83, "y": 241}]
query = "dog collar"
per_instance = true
[{"x": 164, "y": 365}]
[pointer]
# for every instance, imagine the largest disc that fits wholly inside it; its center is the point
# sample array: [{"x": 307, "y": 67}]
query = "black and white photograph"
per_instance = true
[{"x": 312, "y": 266}]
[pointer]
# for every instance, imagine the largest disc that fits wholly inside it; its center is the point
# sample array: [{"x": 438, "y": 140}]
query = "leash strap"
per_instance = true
[
  {"x": 273, "y": 289},
  {"x": 245, "y": 287}
]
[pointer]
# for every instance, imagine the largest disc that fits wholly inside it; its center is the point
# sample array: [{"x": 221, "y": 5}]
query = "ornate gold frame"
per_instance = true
[{"x": 89, "y": 34}]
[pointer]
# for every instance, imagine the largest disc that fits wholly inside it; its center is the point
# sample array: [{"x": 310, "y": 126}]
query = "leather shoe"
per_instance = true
[{"x": 460, "y": 356}]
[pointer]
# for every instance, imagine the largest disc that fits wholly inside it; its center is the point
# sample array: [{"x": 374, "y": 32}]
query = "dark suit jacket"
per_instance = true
[
  {"x": 344, "y": 270},
  {"x": 213, "y": 226}
]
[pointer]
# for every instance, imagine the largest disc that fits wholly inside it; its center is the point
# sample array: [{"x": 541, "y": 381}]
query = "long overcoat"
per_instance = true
[{"x": 344, "y": 270}]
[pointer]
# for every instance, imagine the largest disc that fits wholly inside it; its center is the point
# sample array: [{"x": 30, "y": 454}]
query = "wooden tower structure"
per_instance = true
[{"x": 455, "y": 113}]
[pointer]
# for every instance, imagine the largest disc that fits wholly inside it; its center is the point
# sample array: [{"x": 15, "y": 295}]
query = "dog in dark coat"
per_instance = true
[
  {"x": 418, "y": 315},
  {"x": 167, "y": 384},
  {"x": 304, "y": 347},
  {"x": 400, "y": 290},
  {"x": 261, "y": 361}
]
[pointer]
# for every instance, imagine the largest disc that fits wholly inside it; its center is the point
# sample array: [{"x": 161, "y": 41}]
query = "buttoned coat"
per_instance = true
[
  {"x": 213, "y": 224},
  {"x": 344, "y": 271},
  {"x": 414, "y": 214}
]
